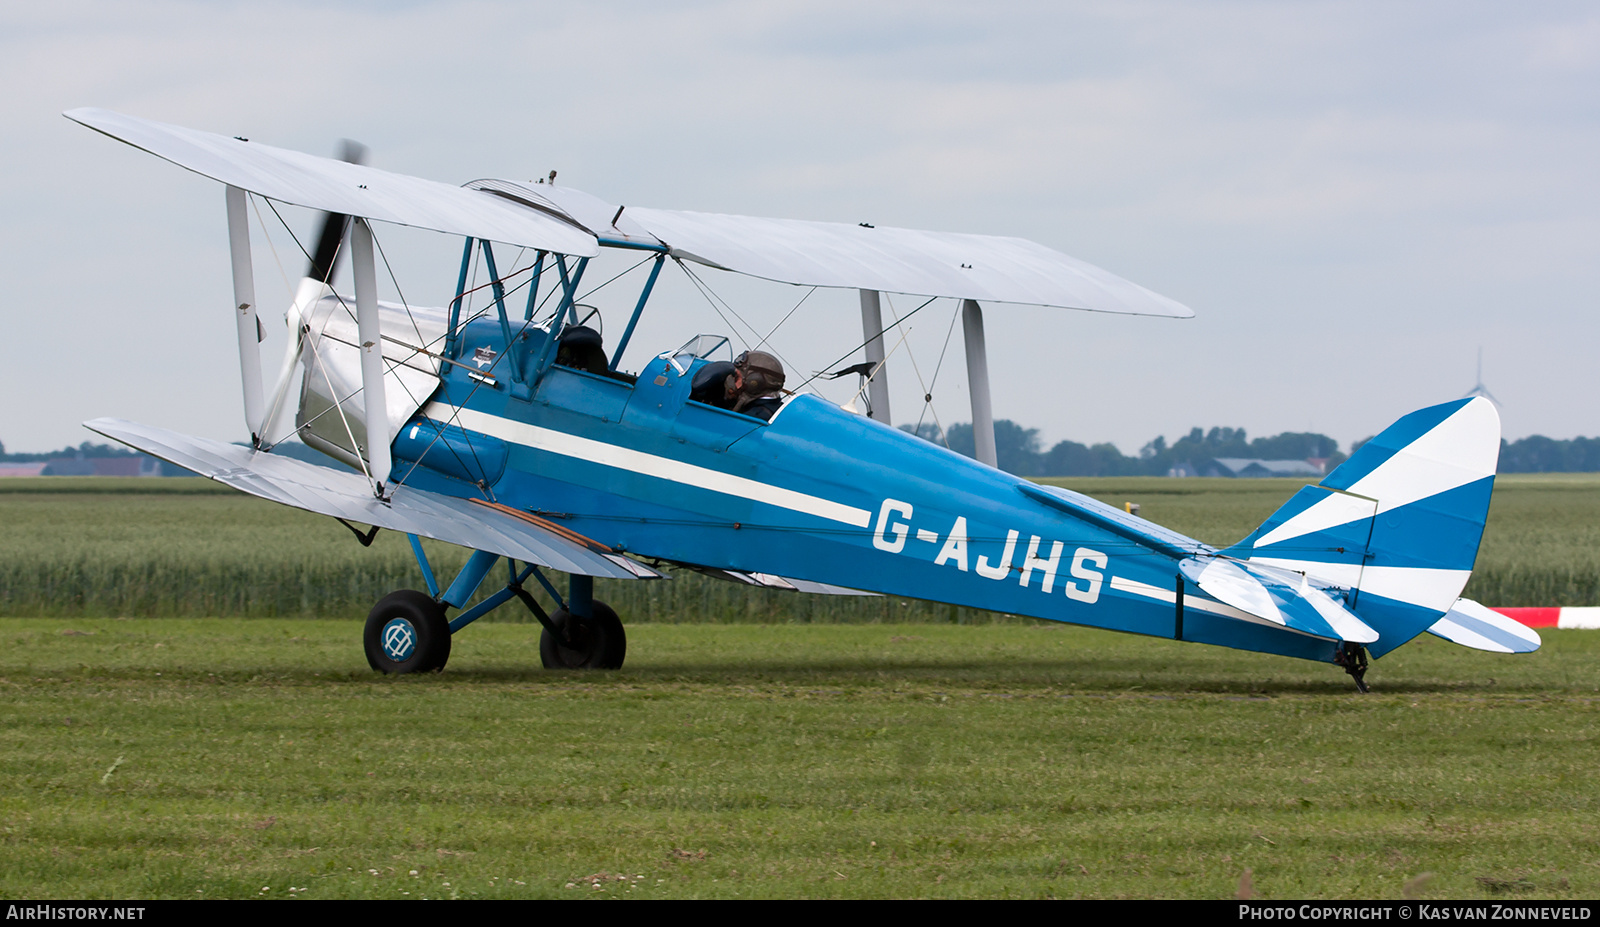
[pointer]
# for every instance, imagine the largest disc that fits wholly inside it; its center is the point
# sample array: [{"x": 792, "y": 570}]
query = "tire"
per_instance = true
[
  {"x": 599, "y": 643},
  {"x": 407, "y": 632}
]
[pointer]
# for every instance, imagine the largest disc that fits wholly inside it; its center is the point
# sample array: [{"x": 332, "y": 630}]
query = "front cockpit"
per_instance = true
[{"x": 749, "y": 385}]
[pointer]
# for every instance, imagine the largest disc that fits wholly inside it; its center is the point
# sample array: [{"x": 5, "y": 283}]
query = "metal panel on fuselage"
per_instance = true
[{"x": 826, "y": 495}]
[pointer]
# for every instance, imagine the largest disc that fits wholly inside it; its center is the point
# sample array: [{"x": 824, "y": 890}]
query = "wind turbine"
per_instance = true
[{"x": 1480, "y": 389}]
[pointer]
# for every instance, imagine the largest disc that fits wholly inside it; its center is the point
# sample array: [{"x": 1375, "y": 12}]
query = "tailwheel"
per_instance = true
[
  {"x": 407, "y": 633},
  {"x": 1353, "y": 657},
  {"x": 594, "y": 643}
]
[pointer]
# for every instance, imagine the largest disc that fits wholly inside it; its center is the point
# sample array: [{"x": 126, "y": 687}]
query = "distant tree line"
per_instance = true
[
  {"x": 1538, "y": 454},
  {"x": 1018, "y": 451},
  {"x": 86, "y": 450}
]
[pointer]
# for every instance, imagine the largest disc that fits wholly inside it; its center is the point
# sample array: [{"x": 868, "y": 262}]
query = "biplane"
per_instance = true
[{"x": 513, "y": 431}]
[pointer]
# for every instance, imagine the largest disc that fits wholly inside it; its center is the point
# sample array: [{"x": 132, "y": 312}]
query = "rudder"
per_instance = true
[{"x": 1398, "y": 524}]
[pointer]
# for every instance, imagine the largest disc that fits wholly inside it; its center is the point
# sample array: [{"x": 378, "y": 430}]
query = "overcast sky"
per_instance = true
[{"x": 1353, "y": 197}]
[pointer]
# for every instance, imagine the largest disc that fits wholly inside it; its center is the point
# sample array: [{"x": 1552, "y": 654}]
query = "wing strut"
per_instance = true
[
  {"x": 878, "y": 383},
  {"x": 244, "y": 313},
  {"x": 372, "y": 389},
  {"x": 978, "y": 383}
]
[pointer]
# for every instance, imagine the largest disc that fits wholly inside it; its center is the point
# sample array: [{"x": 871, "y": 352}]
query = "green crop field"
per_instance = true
[
  {"x": 113, "y": 548},
  {"x": 173, "y": 727}
]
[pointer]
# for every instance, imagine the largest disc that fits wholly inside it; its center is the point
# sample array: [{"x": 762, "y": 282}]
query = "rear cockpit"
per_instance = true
[{"x": 574, "y": 383}]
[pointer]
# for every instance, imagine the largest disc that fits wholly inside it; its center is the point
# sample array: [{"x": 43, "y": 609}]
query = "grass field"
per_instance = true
[
  {"x": 113, "y": 548},
  {"x": 261, "y": 758},
  {"x": 757, "y": 744}
]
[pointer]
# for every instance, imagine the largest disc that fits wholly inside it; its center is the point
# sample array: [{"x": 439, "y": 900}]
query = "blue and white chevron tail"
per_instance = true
[{"x": 1398, "y": 524}]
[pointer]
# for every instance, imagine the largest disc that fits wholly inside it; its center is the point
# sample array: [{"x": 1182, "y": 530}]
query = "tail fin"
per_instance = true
[{"x": 1398, "y": 523}]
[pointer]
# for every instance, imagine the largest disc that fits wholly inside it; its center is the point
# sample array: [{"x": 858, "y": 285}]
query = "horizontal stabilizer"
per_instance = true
[
  {"x": 348, "y": 495},
  {"x": 336, "y": 186},
  {"x": 1482, "y": 628},
  {"x": 1283, "y": 598}
]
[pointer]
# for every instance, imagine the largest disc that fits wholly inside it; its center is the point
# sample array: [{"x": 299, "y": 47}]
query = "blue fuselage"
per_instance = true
[{"x": 819, "y": 493}]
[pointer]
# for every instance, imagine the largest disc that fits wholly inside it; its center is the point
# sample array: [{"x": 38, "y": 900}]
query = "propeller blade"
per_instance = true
[{"x": 334, "y": 224}]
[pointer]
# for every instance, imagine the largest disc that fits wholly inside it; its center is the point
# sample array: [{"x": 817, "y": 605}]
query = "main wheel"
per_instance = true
[
  {"x": 407, "y": 633},
  {"x": 598, "y": 643}
]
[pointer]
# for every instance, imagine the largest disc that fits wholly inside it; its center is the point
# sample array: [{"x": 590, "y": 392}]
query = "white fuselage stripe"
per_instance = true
[
  {"x": 1122, "y": 584},
  {"x": 665, "y": 468}
]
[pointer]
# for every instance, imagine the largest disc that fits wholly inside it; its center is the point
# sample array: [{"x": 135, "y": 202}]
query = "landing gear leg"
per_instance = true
[
  {"x": 586, "y": 634},
  {"x": 597, "y": 642},
  {"x": 1353, "y": 657}
]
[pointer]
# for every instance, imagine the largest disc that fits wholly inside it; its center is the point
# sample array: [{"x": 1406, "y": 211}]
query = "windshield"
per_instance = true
[{"x": 704, "y": 346}]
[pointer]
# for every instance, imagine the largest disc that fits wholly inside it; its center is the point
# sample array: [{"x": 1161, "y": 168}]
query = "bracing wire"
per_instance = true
[
  {"x": 338, "y": 404},
  {"x": 404, "y": 303},
  {"x": 713, "y": 299},
  {"x": 647, "y": 257},
  {"x": 282, "y": 395},
  {"x": 391, "y": 365},
  {"x": 878, "y": 334},
  {"x": 940, "y": 366},
  {"x": 526, "y": 324},
  {"x": 271, "y": 245},
  {"x": 927, "y": 388},
  {"x": 286, "y": 228},
  {"x": 785, "y": 318},
  {"x": 709, "y": 293},
  {"x": 466, "y": 304}
]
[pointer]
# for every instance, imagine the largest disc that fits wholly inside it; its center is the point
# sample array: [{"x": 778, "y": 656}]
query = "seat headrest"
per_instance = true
[{"x": 579, "y": 336}]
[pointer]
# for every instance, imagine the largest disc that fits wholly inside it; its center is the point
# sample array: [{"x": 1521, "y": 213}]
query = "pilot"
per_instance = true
[
  {"x": 751, "y": 384},
  {"x": 758, "y": 383}
]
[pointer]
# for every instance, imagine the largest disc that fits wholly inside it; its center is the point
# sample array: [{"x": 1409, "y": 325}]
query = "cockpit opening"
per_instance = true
[
  {"x": 751, "y": 384},
  {"x": 582, "y": 348}
]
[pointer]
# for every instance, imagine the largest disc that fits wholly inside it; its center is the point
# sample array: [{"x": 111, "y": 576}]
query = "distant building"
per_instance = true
[
  {"x": 1247, "y": 467},
  {"x": 93, "y": 466},
  {"x": 130, "y": 465},
  {"x": 94, "y": 463},
  {"x": 23, "y": 469}
]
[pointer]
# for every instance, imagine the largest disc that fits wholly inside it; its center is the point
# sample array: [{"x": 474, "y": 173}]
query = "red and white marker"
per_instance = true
[{"x": 1587, "y": 618}]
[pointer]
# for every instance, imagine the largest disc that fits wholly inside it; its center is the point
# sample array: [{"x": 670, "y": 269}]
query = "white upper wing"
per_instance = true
[
  {"x": 986, "y": 268},
  {"x": 593, "y": 213},
  {"x": 336, "y": 186}
]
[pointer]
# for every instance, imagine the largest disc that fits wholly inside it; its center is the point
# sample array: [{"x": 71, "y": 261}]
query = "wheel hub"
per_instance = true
[{"x": 399, "y": 640}]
